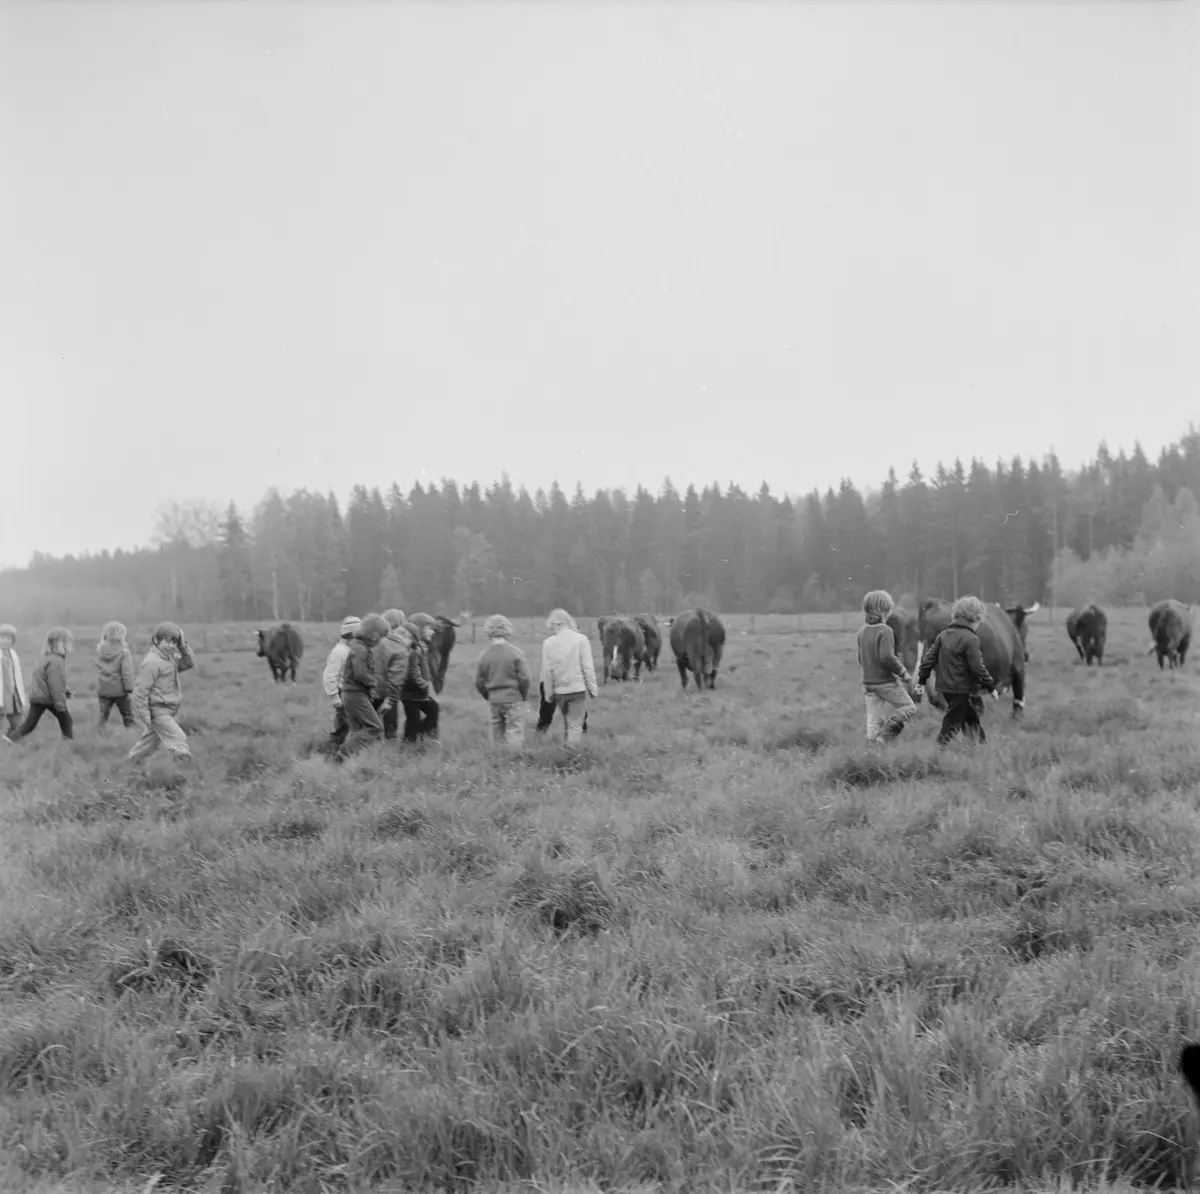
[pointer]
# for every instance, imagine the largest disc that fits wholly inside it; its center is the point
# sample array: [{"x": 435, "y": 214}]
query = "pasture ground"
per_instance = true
[{"x": 732, "y": 947}]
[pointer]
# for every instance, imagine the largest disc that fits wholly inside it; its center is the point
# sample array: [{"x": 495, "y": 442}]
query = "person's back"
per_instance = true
[
  {"x": 877, "y": 656},
  {"x": 502, "y": 675},
  {"x": 957, "y": 661},
  {"x": 884, "y": 677},
  {"x": 567, "y": 664}
]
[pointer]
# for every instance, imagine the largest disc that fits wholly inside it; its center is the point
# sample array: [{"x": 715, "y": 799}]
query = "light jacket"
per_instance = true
[
  {"x": 331, "y": 676},
  {"x": 157, "y": 684},
  {"x": 18, "y": 684},
  {"x": 567, "y": 666},
  {"x": 115, "y": 664}
]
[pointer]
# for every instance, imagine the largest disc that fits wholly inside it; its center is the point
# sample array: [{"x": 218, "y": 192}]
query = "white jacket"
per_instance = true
[
  {"x": 567, "y": 664},
  {"x": 18, "y": 684},
  {"x": 333, "y": 668}
]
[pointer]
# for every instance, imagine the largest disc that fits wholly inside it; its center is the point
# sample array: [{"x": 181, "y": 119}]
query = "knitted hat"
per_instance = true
[{"x": 349, "y": 625}]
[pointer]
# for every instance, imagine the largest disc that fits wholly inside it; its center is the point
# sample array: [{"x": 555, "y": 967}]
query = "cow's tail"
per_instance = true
[{"x": 703, "y": 644}]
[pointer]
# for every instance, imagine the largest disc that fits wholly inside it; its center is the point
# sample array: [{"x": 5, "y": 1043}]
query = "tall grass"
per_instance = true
[{"x": 730, "y": 948}]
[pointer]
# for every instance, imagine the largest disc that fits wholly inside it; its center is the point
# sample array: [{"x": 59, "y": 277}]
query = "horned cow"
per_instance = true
[
  {"x": 651, "y": 637},
  {"x": 283, "y": 649},
  {"x": 622, "y": 645},
  {"x": 1171, "y": 629}
]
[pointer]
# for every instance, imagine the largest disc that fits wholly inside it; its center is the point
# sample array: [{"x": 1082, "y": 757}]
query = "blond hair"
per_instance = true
[
  {"x": 56, "y": 637},
  {"x": 558, "y": 618},
  {"x": 968, "y": 609},
  {"x": 877, "y": 604},
  {"x": 498, "y": 626},
  {"x": 7, "y": 628},
  {"x": 113, "y": 632}
]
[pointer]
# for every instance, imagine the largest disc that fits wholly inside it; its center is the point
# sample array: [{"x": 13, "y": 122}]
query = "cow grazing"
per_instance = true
[
  {"x": 283, "y": 649},
  {"x": 999, "y": 643},
  {"x": 622, "y": 644},
  {"x": 652, "y": 639},
  {"x": 440, "y": 645},
  {"x": 1171, "y": 629},
  {"x": 1087, "y": 627},
  {"x": 698, "y": 639},
  {"x": 905, "y": 632},
  {"x": 1017, "y": 615}
]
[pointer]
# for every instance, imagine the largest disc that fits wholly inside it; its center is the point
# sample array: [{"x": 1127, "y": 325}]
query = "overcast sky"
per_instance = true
[{"x": 316, "y": 244}]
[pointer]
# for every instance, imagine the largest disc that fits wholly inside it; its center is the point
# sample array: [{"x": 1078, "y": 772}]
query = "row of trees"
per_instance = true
[{"x": 1122, "y": 529}]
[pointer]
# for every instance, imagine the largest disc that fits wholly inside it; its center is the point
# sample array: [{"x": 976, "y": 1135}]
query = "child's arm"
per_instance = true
[
  {"x": 887, "y": 655},
  {"x": 977, "y": 666},
  {"x": 524, "y": 679},
  {"x": 481, "y": 678},
  {"x": 141, "y": 693},
  {"x": 589, "y": 668},
  {"x": 56, "y": 681},
  {"x": 929, "y": 660},
  {"x": 127, "y": 671},
  {"x": 186, "y": 659}
]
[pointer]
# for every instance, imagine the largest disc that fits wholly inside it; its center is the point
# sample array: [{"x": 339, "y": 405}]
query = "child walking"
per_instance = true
[
  {"x": 157, "y": 695},
  {"x": 12, "y": 684},
  {"x": 359, "y": 687},
  {"x": 331, "y": 678},
  {"x": 115, "y": 665},
  {"x": 502, "y": 679},
  {"x": 48, "y": 691},
  {"x": 961, "y": 673},
  {"x": 884, "y": 676}
]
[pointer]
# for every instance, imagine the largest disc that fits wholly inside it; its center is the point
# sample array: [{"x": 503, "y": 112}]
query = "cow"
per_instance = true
[
  {"x": 1171, "y": 629},
  {"x": 622, "y": 644},
  {"x": 1189, "y": 1063},
  {"x": 1017, "y": 615},
  {"x": 999, "y": 643},
  {"x": 1087, "y": 627},
  {"x": 282, "y": 648},
  {"x": 698, "y": 639},
  {"x": 652, "y": 638},
  {"x": 904, "y": 631},
  {"x": 440, "y": 645}
]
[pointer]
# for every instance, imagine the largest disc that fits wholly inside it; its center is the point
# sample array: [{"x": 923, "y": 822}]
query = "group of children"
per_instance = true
[
  {"x": 954, "y": 658},
  {"x": 381, "y": 663},
  {"x": 150, "y": 701}
]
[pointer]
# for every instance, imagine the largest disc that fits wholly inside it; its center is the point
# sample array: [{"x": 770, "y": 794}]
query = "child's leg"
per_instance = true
[
  {"x": 430, "y": 709},
  {"x": 496, "y": 723},
  {"x": 30, "y": 723},
  {"x": 972, "y": 726},
  {"x": 167, "y": 730},
  {"x": 514, "y": 725},
  {"x": 64, "y": 722},
  {"x": 125, "y": 708},
  {"x": 899, "y": 707},
  {"x": 106, "y": 704},
  {"x": 145, "y": 746},
  {"x": 877, "y": 712}
]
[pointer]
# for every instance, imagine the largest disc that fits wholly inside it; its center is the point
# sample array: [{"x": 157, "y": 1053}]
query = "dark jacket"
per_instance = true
[
  {"x": 957, "y": 661},
  {"x": 391, "y": 663},
  {"x": 115, "y": 664},
  {"x": 418, "y": 680},
  {"x": 48, "y": 686},
  {"x": 358, "y": 671},
  {"x": 877, "y": 656},
  {"x": 502, "y": 676}
]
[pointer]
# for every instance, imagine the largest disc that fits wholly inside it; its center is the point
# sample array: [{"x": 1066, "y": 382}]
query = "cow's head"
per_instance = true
[
  {"x": 1018, "y": 614},
  {"x": 262, "y": 643}
]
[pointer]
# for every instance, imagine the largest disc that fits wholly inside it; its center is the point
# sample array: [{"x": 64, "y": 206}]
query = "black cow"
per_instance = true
[
  {"x": 440, "y": 645},
  {"x": 283, "y": 649},
  {"x": 905, "y": 632},
  {"x": 1171, "y": 629},
  {"x": 1087, "y": 627},
  {"x": 622, "y": 644},
  {"x": 1189, "y": 1063},
  {"x": 999, "y": 643},
  {"x": 652, "y": 638},
  {"x": 698, "y": 640},
  {"x": 1017, "y": 615}
]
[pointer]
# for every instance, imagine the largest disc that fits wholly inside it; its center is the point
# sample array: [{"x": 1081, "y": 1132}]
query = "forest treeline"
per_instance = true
[{"x": 1123, "y": 529}]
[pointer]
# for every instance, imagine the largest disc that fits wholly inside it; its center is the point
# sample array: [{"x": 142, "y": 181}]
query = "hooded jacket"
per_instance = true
[
  {"x": 418, "y": 679},
  {"x": 391, "y": 663},
  {"x": 358, "y": 669},
  {"x": 115, "y": 664},
  {"x": 958, "y": 661},
  {"x": 157, "y": 684}
]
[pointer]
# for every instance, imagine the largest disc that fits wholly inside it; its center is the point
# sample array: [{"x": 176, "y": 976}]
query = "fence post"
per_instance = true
[{"x": 472, "y": 630}]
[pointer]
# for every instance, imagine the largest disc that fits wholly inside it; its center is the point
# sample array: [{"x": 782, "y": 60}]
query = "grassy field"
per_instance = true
[{"x": 731, "y": 947}]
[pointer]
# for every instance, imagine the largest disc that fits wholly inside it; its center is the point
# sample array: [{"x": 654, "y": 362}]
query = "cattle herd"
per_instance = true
[{"x": 697, "y": 638}]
